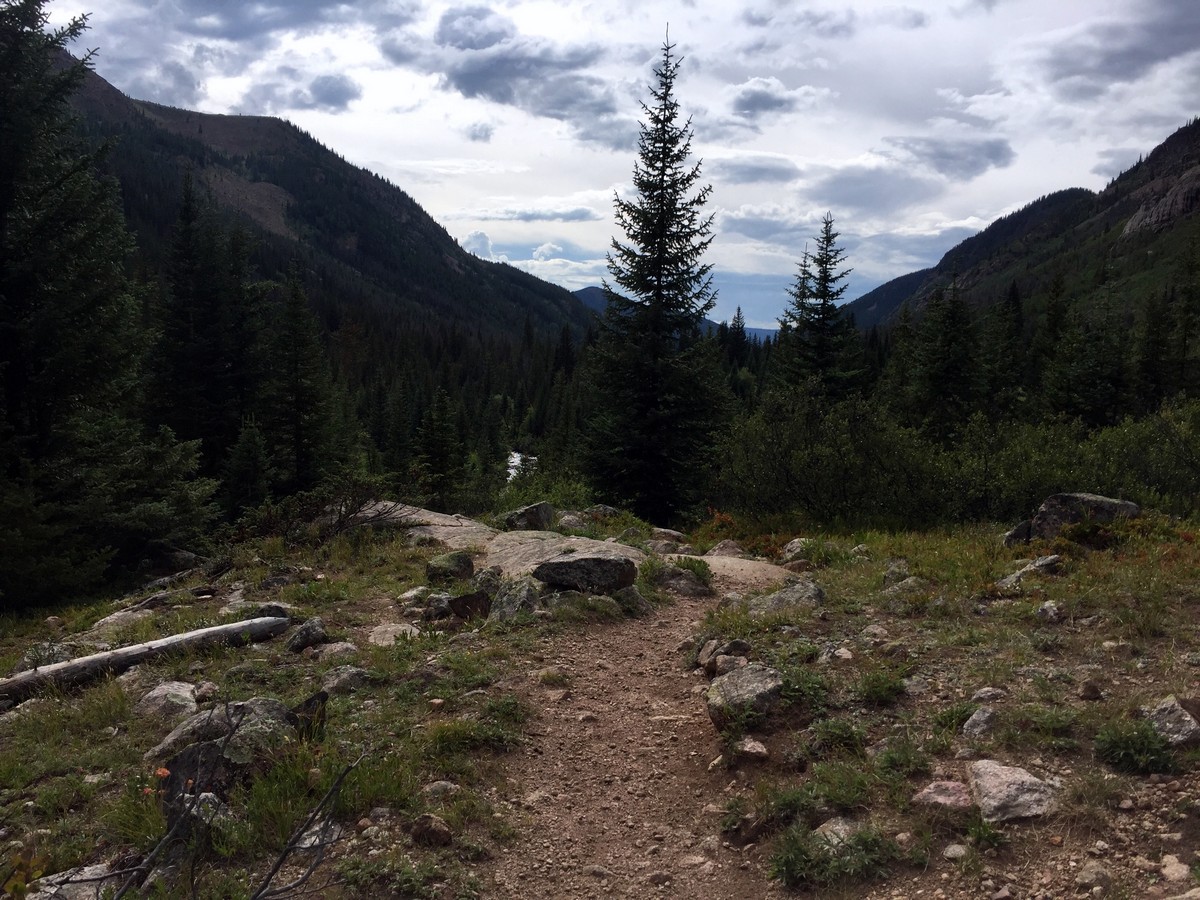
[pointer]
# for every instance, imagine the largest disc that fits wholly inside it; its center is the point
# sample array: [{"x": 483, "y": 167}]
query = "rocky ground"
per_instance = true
[{"x": 877, "y": 716}]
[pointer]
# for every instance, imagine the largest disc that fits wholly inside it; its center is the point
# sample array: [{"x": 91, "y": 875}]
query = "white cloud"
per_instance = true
[{"x": 514, "y": 120}]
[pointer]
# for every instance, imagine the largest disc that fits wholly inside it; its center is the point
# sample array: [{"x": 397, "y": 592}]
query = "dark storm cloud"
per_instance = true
[
  {"x": 756, "y": 19},
  {"x": 957, "y": 158},
  {"x": 754, "y": 169},
  {"x": 873, "y": 189},
  {"x": 331, "y": 93},
  {"x": 1085, "y": 66},
  {"x": 480, "y": 55}
]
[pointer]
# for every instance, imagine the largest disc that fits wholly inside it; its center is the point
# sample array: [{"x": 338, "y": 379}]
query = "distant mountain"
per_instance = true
[
  {"x": 1133, "y": 237},
  {"x": 369, "y": 250},
  {"x": 593, "y": 298}
]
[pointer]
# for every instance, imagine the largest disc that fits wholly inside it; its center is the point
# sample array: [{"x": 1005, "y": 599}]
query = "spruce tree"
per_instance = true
[
  {"x": 947, "y": 367},
  {"x": 818, "y": 340},
  {"x": 82, "y": 480},
  {"x": 657, "y": 384}
]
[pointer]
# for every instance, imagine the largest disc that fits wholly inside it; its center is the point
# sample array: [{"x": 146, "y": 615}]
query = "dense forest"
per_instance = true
[{"x": 175, "y": 374}]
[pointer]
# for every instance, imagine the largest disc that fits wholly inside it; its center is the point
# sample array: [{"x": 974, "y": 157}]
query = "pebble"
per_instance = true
[{"x": 955, "y": 852}]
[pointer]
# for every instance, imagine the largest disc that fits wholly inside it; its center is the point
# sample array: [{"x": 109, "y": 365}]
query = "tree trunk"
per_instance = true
[{"x": 74, "y": 671}]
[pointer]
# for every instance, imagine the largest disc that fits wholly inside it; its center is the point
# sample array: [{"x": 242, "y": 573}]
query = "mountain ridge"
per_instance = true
[
  {"x": 1074, "y": 238},
  {"x": 358, "y": 232}
]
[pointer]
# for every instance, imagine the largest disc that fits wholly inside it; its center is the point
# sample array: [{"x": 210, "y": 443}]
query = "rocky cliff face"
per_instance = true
[{"x": 1166, "y": 200}]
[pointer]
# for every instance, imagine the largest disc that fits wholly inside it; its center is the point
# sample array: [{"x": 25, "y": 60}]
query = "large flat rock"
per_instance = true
[
  {"x": 456, "y": 532},
  {"x": 518, "y": 553}
]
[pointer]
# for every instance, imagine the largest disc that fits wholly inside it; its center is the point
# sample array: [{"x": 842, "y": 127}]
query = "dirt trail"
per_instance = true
[{"x": 612, "y": 791}]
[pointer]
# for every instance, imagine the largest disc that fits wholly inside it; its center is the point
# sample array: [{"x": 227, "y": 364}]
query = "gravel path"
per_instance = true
[{"x": 613, "y": 792}]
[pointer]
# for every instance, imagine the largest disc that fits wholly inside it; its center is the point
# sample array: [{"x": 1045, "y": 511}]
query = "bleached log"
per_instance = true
[{"x": 84, "y": 668}]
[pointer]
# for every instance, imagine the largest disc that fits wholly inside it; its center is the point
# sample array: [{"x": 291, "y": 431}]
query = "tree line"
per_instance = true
[{"x": 159, "y": 397}]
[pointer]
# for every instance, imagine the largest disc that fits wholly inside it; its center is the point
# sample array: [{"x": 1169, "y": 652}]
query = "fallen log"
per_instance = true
[{"x": 84, "y": 668}]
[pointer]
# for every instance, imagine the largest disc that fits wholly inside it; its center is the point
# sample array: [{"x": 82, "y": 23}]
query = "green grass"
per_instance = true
[
  {"x": 1135, "y": 748},
  {"x": 805, "y": 859}
]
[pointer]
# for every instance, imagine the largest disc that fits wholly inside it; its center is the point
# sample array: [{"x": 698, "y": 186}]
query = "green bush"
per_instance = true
[
  {"x": 1135, "y": 748},
  {"x": 804, "y": 858}
]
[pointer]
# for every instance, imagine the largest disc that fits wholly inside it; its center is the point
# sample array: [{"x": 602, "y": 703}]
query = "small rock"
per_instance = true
[
  {"x": 659, "y": 878},
  {"x": 336, "y": 649},
  {"x": 1006, "y": 793},
  {"x": 536, "y": 517},
  {"x": 980, "y": 723},
  {"x": 836, "y": 830},
  {"x": 310, "y": 634},
  {"x": 955, "y": 852},
  {"x": 1173, "y": 870},
  {"x": 727, "y": 548},
  {"x": 1089, "y": 690},
  {"x": 750, "y": 749},
  {"x": 1176, "y": 720},
  {"x": 723, "y": 665},
  {"x": 1093, "y": 875},
  {"x": 948, "y": 795},
  {"x": 454, "y": 566},
  {"x": 388, "y": 634},
  {"x": 988, "y": 695},
  {"x": 440, "y": 790},
  {"x": 169, "y": 700},
  {"x": 754, "y": 689},
  {"x": 597, "y": 871},
  {"x": 1049, "y": 612},
  {"x": 345, "y": 679},
  {"x": 431, "y": 831}
]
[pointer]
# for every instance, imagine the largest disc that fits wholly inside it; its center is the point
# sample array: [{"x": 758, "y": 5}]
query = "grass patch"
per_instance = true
[
  {"x": 1135, "y": 748},
  {"x": 805, "y": 859},
  {"x": 881, "y": 687},
  {"x": 697, "y": 567}
]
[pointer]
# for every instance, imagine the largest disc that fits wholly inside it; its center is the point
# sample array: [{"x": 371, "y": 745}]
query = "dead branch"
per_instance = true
[{"x": 265, "y": 891}]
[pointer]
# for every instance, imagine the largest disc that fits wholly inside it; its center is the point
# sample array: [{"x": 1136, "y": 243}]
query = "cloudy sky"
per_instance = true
[{"x": 513, "y": 122}]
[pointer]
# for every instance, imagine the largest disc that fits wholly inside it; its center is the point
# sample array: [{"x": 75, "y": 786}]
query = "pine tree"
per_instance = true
[
  {"x": 657, "y": 385},
  {"x": 821, "y": 342},
  {"x": 947, "y": 369},
  {"x": 298, "y": 408},
  {"x": 82, "y": 482}
]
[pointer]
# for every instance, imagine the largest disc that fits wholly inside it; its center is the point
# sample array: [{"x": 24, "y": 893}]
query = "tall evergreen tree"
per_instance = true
[
  {"x": 299, "y": 393},
  {"x": 821, "y": 342},
  {"x": 658, "y": 393},
  {"x": 947, "y": 367},
  {"x": 81, "y": 480}
]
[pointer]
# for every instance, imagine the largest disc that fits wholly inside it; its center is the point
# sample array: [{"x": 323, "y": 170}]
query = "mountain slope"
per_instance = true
[
  {"x": 360, "y": 237},
  {"x": 1133, "y": 236}
]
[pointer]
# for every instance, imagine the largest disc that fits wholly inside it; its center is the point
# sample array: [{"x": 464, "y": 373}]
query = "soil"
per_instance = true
[{"x": 612, "y": 793}]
